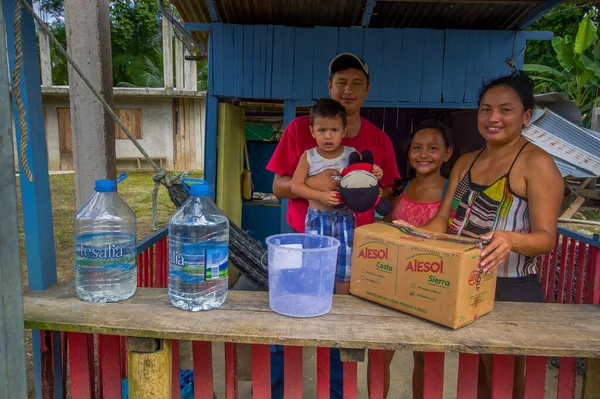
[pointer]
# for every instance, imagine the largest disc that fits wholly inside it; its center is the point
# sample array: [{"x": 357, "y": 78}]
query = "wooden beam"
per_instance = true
[
  {"x": 45, "y": 58},
  {"x": 367, "y": 13},
  {"x": 573, "y": 208},
  {"x": 289, "y": 114},
  {"x": 591, "y": 194},
  {"x": 591, "y": 382},
  {"x": 190, "y": 77},
  {"x": 13, "y": 370},
  {"x": 179, "y": 65},
  {"x": 212, "y": 10},
  {"x": 167, "y": 44}
]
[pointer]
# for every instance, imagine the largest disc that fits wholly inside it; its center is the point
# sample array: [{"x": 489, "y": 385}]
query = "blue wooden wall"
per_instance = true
[{"x": 413, "y": 66}]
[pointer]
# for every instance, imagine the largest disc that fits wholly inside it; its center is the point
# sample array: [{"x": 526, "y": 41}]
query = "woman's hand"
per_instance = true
[
  {"x": 497, "y": 251},
  {"x": 402, "y": 223}
]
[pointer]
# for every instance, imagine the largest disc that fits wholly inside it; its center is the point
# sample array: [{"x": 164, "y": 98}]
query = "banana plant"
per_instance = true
[{"x": 579, "y": 75}]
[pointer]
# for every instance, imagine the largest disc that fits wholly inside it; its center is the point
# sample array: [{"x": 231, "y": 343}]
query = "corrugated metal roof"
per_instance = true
[
  {"x": 440, "y": 14},
  {"x": 449, "y": 15},
  {"x": 575, "y": 150},
  {"x": 560, "y": 105},
  {"x": 568, "y": 169}
]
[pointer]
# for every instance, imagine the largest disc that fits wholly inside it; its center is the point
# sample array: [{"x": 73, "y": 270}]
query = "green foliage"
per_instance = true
[
  {"x": 563, "y": 20},
  {"x": 136, "y": 41},
  {"x": 576, "y": 70}
]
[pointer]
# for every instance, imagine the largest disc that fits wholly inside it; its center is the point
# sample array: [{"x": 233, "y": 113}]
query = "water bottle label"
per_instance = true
[
  {"x": 198, "y": 262},
  {"x": 217, "y": 260},
  {"x": 105, "y": 250}
]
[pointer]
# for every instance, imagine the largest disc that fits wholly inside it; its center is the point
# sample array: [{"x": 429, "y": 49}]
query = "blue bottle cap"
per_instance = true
[
  {"x": 107, "y": 186},
  {"x": 197, "y": 188}
]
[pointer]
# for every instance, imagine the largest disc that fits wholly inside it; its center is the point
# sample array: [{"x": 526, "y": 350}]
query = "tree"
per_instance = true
[
  {"x": 136, "y": 41},
  {"x": 135, "y": 36},
  {"x": 563, "y": 20},
  {"x": 578, "y": 73}
]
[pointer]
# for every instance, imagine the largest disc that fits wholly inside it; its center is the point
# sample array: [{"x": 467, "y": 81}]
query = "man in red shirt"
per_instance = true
[{"x": 348, "y": 84}]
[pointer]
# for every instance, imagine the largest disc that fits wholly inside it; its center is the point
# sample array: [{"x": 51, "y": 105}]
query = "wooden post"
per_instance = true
[
  {"x": 289, "y": 113},
  {"x": 190, "y": 73},
  {"x": 179, "y": 65},
  {"x": 167, "y": 43},
  {"x": 596, "y": 119},
  {"x": 37, "y": 215},
  {"x": 45, "y": 58},
  {"x": 87, "y": 24},
  {"x": 149, "y": 365},
  {"x": 13, "y": 372},
  {"x": 591, "y": 382}
]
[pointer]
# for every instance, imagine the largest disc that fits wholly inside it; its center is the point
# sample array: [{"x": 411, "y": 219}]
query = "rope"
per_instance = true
[
  {"x": 17, "y": 92},
  {"x": 171, "y": 182}
]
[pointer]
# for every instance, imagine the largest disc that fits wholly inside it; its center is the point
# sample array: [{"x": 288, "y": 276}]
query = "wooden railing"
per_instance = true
[{"x": 571, "y": 251}]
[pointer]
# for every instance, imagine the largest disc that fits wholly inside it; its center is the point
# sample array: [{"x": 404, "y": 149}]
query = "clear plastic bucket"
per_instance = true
[{"x": 301, "y": 273}]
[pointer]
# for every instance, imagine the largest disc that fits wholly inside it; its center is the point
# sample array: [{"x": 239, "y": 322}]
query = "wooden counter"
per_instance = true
[{"x": 513, "y": 328}]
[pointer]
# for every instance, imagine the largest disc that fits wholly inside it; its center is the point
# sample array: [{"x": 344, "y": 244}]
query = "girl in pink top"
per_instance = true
[{"x": 419, "y": 200}]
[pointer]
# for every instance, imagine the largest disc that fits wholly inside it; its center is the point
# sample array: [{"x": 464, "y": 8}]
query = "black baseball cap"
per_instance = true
[{"x": 346, "y": 61}]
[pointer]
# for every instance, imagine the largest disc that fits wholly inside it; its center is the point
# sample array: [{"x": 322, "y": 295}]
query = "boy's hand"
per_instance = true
[
  {"x": 377, "y": 172},
  {"x": 329, "y": 198}
]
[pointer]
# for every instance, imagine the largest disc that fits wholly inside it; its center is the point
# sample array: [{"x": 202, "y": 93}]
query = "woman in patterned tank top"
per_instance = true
[{"x": 509, "y": 194}]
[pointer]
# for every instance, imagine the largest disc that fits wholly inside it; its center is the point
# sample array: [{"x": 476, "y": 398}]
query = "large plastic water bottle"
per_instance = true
[
  {"x": 198, "y": 251},
  {"x": 105, "y": 246}
]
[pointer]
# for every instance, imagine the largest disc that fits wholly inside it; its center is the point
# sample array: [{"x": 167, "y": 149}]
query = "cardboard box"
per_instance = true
[{"x": 432, "y": 276}]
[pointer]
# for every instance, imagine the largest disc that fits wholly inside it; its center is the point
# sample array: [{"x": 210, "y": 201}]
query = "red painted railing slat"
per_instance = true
[
  {"x": 581, "y": 266},
  {"x": 376, "y": 371},
  {"x": 109, "y": 364},
  {"x": 433, "y": 377},
  {"x": 563, "y": 265},
  {"x": 571, "y": 270},
  {"x": 261, "y": 371},
  {"x": 535, "y": 377},
  {"x": 323, "y": 369},
  {"x": 176, "y": 390},
  {"x": 566, "y": 378},
  {"x": 292, "y": 372},
  {"x": 350, "y": 380},
  {"x": 552, "y": 273},
  {"x": 468, "y": 372},
  {"x": 81, "y": 366},
  {"x": 203, "y": 371},
  {"x": 502, "y": 376}
]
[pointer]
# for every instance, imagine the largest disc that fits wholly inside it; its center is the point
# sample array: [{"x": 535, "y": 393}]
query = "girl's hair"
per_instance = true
[
  {"x": 519, "y": 81},
  {"x": 400, "y": 184}
]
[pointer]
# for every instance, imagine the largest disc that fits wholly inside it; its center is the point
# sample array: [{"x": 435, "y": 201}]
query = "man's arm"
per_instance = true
[
  {"x": 282, "y": 185},
  {"x": 300, "y": 188}
]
